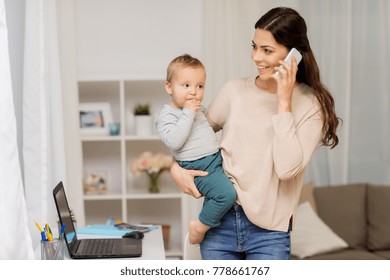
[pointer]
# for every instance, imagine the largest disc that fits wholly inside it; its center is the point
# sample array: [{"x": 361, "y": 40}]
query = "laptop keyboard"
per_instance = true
[{"x": 99, "y": 246}]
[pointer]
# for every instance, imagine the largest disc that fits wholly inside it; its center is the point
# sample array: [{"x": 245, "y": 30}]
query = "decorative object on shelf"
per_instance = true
[
  {"x": 142, "y": 109},
  {"x": 143, "y": 120},
  {"x": 114, "y": 128},
  {"x": 94, "y": 118},
  {"x": 166, "y": 231},
  {"x": 153, "y": 165},
  {"x": 95, "y": 183}
]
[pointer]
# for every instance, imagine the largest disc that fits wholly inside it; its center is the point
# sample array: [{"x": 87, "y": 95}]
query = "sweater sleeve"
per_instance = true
[
  {"x": 294, "y": 144},
  {"x": 219, "y": 109},
  {"x": 174, "y": 129}
]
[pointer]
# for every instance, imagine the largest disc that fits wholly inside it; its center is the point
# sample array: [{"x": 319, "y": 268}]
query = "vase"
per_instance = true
[
  {"x": 153, "y": 182},
  {"x": 143, "y": 125}
]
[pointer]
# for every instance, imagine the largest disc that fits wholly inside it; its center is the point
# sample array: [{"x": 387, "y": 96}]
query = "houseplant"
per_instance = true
[
  {"x": 143, "y": 120},
  {"x": 142, "y": 109}
]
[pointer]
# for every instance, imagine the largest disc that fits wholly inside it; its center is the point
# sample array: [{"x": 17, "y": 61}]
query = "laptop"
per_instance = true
[{"x": 91, "y": 248}]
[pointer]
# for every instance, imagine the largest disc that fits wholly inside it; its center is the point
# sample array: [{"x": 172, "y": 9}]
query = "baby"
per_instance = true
[{"x": 184, "y": 129}]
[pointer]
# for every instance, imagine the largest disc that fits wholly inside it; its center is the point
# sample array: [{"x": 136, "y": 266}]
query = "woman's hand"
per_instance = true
[
  {"x": 286, "y": 82},
  {"x": 184, "y": 179}
]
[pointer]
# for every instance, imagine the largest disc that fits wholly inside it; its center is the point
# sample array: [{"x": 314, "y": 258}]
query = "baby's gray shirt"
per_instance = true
[{"x": 187, "y": 134}]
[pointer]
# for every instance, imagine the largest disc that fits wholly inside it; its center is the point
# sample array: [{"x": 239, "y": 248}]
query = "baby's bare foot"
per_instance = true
[{"x": 197, "y": 232}]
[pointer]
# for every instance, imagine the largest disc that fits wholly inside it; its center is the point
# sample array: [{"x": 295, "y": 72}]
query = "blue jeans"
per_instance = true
[{"x": 239, "y": 239}]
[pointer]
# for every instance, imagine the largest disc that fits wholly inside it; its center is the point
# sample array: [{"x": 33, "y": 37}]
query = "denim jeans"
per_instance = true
[{"x": 239, "y": 239}]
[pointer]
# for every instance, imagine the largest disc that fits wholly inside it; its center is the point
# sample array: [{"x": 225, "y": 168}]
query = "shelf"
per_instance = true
[
  {"x": 93, "y": 138},
  {"x": 153, "y": 196},
  {"x": 103, "y": 196},
  {"x": 100, "y": 138},
  {"x": 127, "y": 197},
  {"x": 141, "y": 138},
  {"x": 166, "y": 192}
]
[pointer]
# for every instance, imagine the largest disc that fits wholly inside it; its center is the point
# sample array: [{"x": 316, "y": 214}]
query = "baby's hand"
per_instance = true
[{"x": 193, "y": 104}]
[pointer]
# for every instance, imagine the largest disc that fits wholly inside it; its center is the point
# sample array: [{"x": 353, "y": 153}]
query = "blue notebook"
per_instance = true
[{"x": 111, "y": 230}]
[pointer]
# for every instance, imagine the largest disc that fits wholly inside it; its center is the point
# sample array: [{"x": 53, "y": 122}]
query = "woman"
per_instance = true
[{"x": 271, "y": 126}]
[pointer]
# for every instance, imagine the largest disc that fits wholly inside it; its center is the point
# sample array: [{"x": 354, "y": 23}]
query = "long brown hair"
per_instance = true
[{"x": 289, "y": 29}]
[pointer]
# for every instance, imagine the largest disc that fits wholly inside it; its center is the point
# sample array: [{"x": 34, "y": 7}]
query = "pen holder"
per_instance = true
[{"x": 52, "y": 250}]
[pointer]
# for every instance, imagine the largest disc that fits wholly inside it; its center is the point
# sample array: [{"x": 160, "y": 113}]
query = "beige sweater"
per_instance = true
[{"x": 265, "y": 153}]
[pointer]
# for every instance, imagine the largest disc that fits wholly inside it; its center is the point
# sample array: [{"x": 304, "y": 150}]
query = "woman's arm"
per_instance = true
[
  {"x": 294, "y": 144},
  {"x": 184, "y": 179},
  {"x": 295, "y": 140}
]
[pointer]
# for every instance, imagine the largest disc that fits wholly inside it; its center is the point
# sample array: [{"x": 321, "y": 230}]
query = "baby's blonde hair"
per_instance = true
[{"x": 182, "y": 61}]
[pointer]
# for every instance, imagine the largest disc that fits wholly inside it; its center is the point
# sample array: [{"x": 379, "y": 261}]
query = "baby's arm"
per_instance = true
[{"x": 174, "y": 130}]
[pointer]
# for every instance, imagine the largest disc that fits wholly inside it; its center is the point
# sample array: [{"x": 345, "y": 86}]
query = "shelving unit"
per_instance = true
[{"x": 127, "y": 197}]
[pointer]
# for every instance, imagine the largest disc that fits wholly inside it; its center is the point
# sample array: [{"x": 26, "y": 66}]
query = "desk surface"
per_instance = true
[{"x": 152, "y": 244}]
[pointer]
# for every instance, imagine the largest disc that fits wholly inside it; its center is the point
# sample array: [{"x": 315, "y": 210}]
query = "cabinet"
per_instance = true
[{"x": 127, "y": 197}]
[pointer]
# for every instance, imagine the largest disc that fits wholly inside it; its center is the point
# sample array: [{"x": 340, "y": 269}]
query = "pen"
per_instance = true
[
  {"x": 39, "y": 227},
  {"x": 62, "y": 231},
  {"x": 48, "y": 233},
  {"x": 43, "y": 236},
  {"x": 48, "y": 229}
]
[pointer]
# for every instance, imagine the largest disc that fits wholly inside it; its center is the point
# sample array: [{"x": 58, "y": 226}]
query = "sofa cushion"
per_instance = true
[
  {"x": 378, "y": 236},
  {"x": 348, "y": 254},
  {"x": 307, "y": 195},
  {"x": 311, "y": 236},
  {"x": 383, "y": 254},
  {"x": 343, "y": 209}
]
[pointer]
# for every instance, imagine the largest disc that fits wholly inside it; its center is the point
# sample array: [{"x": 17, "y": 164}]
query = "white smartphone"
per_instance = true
[{"x": 293, "y": 52}]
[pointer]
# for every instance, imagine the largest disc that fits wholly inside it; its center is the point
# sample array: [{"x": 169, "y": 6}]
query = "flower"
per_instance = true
[
  {"x": 150, "y": 163},
  {"x": 153, "y": 165}
]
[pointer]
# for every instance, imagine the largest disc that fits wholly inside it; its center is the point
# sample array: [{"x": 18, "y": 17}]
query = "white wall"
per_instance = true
[
  {"x": 132, "y": 38},
  {"x": 129, "y": 39}
]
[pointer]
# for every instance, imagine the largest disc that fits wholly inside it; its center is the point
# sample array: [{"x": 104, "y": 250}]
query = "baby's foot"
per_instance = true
[{"x": 197, "y": 232}]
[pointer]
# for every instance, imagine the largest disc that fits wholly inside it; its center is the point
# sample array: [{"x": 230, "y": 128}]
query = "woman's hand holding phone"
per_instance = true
[
  {"x": 288, "y": 60},
  {"x": 285, "y": 78}
]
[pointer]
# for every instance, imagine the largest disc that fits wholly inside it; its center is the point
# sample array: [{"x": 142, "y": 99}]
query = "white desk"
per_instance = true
[{"x": 152, "y": 245}]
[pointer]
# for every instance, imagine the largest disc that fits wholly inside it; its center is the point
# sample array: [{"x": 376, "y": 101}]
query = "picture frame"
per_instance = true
[
  {"x": 95, "y": 182},
  {"x": 94, "y": 118}
]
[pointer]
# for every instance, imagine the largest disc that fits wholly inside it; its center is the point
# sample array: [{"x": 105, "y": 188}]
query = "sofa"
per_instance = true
[{"x": 344, "y": 222}]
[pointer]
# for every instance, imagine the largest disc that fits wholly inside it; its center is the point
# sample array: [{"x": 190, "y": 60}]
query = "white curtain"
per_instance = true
[
  {"x": 42, "y": 133},
  {"x": 15, "y": 240},
  {"x": 43, "y": 137},
  {"x": 351, "y": 41}
]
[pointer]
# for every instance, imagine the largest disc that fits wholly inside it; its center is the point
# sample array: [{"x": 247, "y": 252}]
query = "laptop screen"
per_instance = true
[{"x": 64, "y": 215}]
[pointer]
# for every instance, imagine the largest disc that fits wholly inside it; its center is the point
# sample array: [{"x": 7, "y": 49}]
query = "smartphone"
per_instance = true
[{"x": 293, "y": 52}]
